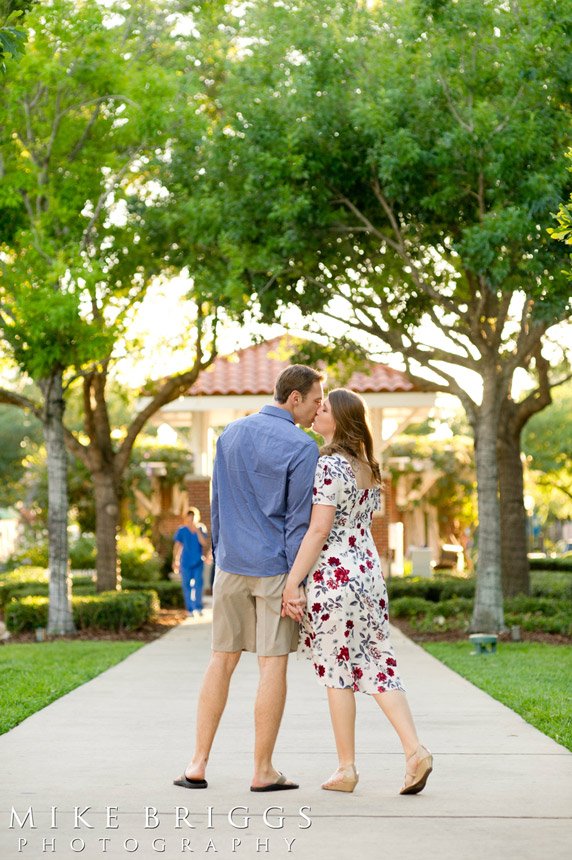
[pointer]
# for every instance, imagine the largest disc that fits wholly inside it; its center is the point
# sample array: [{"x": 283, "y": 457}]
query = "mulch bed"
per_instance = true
[
  {"x": 463, "y": 636},
  {"x": 167, "y": 619}
]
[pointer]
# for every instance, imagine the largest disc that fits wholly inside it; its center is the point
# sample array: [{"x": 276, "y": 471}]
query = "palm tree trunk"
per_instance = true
[{"x": 60, "y": 616}]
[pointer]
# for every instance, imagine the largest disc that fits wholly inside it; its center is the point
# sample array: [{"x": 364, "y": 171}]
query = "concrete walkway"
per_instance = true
[{"x": 500, "y": 788}]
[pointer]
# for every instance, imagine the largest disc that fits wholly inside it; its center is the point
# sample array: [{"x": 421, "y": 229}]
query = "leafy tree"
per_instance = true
[
  {"x": 12, "y": 36},
  {"x": 393, "y": 167},
  {"x": 547, "y": 444},
  {"x": 453, "y": 493},
  {"x": 99, "y": 92},
  {"x": 20, "y": 436}
]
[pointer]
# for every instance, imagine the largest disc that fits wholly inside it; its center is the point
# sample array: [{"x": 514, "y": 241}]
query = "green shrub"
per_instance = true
[
  {"x": 28, "y": 581},
  {"x": 563, "y": 563},
  {"x": 439, "y": 624},
  {"x": 115, "y": 610},
  {"x": 454, "y": 606},
  {"x": 410, "y": 607},
  {"x": 82, "y": 553},
  {"x": 139, "y": 561},
  {"x": 542, "y": 605},
  {"x": 137, "y": 555},
  {"x": 435, "y": 589},
  {"x": 545, "y": 614},
  {"x": 34, "y": 556},
  {"x": 170, "y": 594},
  {"x": 27, "y": 614},
  {"x": 544, "y": 583},
  {"x": 535, "y": 621},
  {"x": 110, "y": 610},
  {"x": 22, "y": 578},
  {"x": 25, "y": 573},
  {"x": 461, "y": 588}
]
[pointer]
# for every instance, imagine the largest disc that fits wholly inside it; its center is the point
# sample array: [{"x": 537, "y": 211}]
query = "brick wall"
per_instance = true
[
  {"x": 199, "y": 496},
  {"x": 382, "y": 519},
  {"x": 197, "y": 490}
]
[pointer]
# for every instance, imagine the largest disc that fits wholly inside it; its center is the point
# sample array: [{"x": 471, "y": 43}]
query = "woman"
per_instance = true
[{"x": 345, "y": 628}]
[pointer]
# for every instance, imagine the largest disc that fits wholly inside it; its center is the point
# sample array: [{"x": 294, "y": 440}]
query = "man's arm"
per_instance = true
[
  {"x": 214, "y": 505},
  {"x": 299, "y": 501}
]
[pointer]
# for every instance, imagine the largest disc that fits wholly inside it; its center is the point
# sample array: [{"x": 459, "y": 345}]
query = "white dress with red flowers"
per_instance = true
[{"x": 345, "y": 630}]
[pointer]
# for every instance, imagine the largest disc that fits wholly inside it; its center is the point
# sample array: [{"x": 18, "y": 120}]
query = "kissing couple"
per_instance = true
[{"x": 297, "y": 570}]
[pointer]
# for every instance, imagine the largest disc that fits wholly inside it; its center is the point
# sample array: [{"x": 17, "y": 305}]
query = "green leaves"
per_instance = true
[
  {"x": 86, "y": 121},
  {"x": 12, "y": 38}
]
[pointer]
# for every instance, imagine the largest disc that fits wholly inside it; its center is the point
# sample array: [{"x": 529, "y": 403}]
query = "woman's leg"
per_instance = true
[
  {"x": 418, "y": 759},
  {"x": 395, "y": 706},
  {"x": 342, "y": 705}
]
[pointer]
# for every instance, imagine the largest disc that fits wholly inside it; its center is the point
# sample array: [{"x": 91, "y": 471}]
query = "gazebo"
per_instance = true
[{"x": 242, "y": 382}]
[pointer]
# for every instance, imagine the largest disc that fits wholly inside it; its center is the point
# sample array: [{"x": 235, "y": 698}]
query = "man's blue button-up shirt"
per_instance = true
[{"x": 261, "y": 493}]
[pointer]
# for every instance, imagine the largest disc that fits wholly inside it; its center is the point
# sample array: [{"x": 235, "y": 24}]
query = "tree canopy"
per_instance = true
[{"x": 393, "y": 167}]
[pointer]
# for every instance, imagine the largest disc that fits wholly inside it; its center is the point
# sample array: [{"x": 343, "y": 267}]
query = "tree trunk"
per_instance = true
[
  {"x": 514, "y": 537},
  {"x": 60, "y": 616},
  {"x": 488, "y": 614},
  {"x": 106, "y": 526}
]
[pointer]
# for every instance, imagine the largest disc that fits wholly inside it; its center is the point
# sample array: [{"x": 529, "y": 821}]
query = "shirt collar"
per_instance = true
[{"x": 276, "y": 412}]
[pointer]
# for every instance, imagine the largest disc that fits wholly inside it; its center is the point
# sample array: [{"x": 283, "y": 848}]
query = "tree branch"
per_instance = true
[
  {"x": 453, "y": 108},
  {"x": 171, "y": 388},
  {"x": 22, "y": 402}
]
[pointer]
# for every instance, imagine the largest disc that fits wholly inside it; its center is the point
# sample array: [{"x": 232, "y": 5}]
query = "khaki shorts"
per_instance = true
[{"x": 246, "y": 615}]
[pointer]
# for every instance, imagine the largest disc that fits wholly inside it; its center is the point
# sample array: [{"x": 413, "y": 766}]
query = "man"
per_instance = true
[
  {"x": 261, "y": 503},
  {"x": 190, "y": 540}
]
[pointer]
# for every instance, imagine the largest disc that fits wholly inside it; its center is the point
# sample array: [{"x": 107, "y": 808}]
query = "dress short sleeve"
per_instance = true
[{"x": 326, "y": 483}]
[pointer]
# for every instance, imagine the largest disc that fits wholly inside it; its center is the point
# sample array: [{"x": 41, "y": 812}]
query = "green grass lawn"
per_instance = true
[
  {"x": 533, "y": 679},
  {"x": 32, "y": 676}
]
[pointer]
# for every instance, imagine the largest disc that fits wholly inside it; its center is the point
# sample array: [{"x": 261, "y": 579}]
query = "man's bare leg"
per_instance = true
[
  {"x": 210, "y": 708},
  {"x": 268, "y": 710}
]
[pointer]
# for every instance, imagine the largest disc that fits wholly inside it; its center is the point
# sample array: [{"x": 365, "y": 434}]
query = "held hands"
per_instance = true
[{"x": 293, "y": 601}]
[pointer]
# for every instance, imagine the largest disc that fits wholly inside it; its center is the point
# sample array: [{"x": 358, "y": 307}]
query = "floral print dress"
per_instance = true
[{"x": 345, "y": 629}]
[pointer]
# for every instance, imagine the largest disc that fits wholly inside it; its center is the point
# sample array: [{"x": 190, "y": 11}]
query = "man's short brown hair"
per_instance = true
[{"x": 297, "y": 377}]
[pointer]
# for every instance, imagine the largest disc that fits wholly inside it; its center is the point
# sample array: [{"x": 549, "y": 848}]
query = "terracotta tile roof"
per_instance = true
[{"x": 254, "y": 370}]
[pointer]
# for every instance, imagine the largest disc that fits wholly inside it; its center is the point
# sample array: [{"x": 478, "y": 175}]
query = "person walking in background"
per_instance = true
[
  {"x": 261, "y": 502},
  {"x": 345, "y": 624},
  {"x": 188, "y": 559}
]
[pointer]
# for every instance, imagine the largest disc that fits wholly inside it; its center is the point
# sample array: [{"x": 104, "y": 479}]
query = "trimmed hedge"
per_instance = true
[
  {"x": 546, "y": 583},
  {"x": 434, "y": 589},
  {"x": 110, "y": 610},
  {"x": 28, "y": 581},
  {"x": 564, "y": 563},
  {"x": 170, "y": 594},
  {"x": 546, "y": 614},
  {"x": 34, "y": 581}
]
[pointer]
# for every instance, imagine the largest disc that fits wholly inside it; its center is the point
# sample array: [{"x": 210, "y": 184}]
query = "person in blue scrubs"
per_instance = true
[{"x": 188, "y": 559}]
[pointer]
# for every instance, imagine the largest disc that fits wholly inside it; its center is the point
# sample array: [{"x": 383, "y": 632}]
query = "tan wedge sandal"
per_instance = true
[
  {"x": 344, "y": 779},
  {"x": 415, "y": 780}
]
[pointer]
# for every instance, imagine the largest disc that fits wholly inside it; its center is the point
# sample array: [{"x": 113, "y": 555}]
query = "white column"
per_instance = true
[
  {"x": 199, "y": 442},
  {"x": 376, "y": 421}
]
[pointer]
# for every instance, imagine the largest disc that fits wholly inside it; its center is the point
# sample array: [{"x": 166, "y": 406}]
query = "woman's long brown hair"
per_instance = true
[{"x": 353, "y": 434}]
